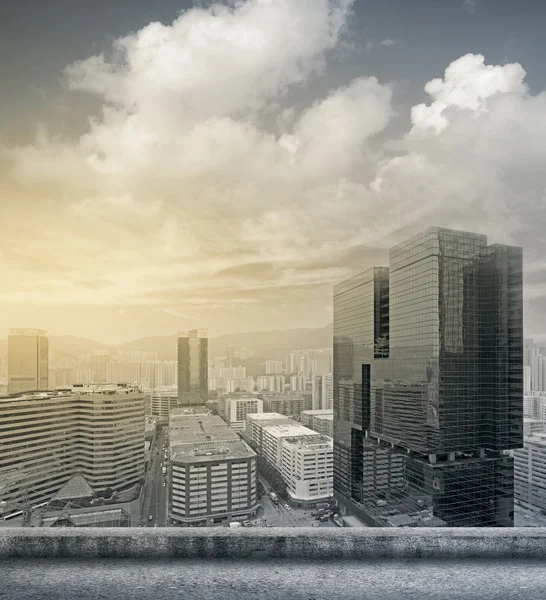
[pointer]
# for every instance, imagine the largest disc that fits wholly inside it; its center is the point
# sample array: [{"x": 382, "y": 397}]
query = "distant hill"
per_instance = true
[
  {"x": 264, "y": 344},
  {"x": 164, "y": 345},
  {"x": 64, "y": 346}
]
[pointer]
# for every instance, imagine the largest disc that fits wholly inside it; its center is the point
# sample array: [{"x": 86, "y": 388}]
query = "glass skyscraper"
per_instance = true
[
  {"x": 193, "y": 351},
  {"x": 428, "y": 384}
]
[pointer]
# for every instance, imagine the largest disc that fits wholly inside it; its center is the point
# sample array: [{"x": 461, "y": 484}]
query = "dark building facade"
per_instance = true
[
  {"x": 193, "y": 351},
  {"x": 428, "y": 383}
]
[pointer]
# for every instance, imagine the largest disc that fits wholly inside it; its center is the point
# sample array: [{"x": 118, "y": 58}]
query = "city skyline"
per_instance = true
[{"x": 144, "y": 184}]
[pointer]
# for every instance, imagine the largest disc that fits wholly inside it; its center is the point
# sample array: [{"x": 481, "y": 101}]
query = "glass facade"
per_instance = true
[
  {"x": 428, "y": 383},
  {"x": 193, "y": 368}
]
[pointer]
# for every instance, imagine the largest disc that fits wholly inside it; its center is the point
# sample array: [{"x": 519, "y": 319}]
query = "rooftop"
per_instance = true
[
  {"x": 266, "y": 417},
  {"x": 290, "y": 430},
  {"x": 309, "y": 440}
]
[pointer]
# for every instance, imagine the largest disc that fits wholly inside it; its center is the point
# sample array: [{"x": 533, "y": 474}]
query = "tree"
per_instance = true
[{"x": 107, "y": 494}]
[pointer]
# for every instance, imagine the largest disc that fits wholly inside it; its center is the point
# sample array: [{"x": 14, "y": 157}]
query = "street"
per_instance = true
[
  {"x": 155, "y": 495},
  {"x": 279, "y": 516}
]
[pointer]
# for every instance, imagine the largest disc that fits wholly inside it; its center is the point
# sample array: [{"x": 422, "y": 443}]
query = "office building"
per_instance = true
[
  {"x": 46, "y": 438},
  {"x": 254, "y": 426},
  {"x": 193, "y": 368},
  {"x": 321, "y": 421},
  {"x": 323, "y": 391},
  {"x": 28, "y": 360},
  {"x": 160, "y": 402},
  {"x": 212, "y": 471},
  {"x": 428, "y": 377},
  {"x": 236, "y": 410},
  {"x": 307, "y": 468}
]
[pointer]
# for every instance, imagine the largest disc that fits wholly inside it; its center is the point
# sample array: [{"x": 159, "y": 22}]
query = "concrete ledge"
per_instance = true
[{"x": 274, "y": 543}]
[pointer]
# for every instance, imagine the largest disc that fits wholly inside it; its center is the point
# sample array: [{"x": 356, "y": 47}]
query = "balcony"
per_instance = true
[{"x": 294, "y": 564}]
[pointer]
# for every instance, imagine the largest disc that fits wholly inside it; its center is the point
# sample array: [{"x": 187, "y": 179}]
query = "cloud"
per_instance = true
[
  {"x": 467, "y": 85},
  {"x": 469, "y": 6},
  {"x": 204, "y": 185}
]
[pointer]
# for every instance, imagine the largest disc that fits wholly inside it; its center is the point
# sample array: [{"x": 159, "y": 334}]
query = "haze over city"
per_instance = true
[{"x": 173, "y": 166}]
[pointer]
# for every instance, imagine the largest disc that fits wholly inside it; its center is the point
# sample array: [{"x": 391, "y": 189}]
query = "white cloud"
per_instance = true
[
  {"x": 189, "y": 195},
  {"x": 467, "y": 85}
]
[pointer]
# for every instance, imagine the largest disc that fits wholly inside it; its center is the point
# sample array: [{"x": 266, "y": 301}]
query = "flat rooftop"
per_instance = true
[
  {"x": 204, "y": 437},
  {"x": 289, "y": 430},
  {"x": 310, "y": 440},
  {"x": 266, "y": 417}
]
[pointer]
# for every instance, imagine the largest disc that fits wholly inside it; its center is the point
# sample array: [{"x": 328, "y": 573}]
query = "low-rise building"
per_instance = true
[
  {"x": 321, "y": 421},
  {"x": 212, "y": 471},
  {"x": 530, "y": 471}
]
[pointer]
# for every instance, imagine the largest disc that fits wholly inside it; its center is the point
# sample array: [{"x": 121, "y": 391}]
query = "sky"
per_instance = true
[{"x": 168, "y": 165}]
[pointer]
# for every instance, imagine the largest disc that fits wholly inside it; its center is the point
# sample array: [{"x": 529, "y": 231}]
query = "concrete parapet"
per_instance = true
[{"x": 274, "y": 543}]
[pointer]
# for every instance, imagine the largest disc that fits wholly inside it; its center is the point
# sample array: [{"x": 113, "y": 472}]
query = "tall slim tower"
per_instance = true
[
  {"x": 28, "y": 360},
  {"x": 193, "y": 367},
  {"x": 428, "y": 384}
]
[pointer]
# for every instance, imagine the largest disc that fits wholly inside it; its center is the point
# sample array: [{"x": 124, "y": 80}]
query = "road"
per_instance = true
[
  {"x": 279, "y": 516},
  {"x": 155, "y": 495}
]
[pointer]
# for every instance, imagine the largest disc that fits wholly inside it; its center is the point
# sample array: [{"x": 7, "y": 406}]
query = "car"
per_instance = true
[
  {"x": 287, "y": 506},
  {"x": 150, "y": 518}
]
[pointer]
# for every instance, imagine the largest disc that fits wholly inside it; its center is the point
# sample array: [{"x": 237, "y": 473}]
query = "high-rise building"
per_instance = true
[
  {"x": 46, "y": 438},
  {"x": 428, "y": 384},
  {"x": 323, "y": 391},
  {"x": 229, "y": 356},
  {"x": 28, "y": 360},
  {"x": 193, "y": 368}
]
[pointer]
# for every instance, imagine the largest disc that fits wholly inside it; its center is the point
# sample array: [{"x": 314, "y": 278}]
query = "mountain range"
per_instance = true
[{"x": 265, "y": 344}]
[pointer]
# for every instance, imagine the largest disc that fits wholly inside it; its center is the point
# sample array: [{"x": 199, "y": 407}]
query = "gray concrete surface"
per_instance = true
[
  {"x": 273, "y": 580},
  {"x": 260, "y": 543}
]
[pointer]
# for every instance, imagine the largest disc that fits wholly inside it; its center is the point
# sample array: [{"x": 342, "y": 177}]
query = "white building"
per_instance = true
[
  {"x": 307, "y": 467},
  {"x": 273, "y": 367},
  {"x": 237, "y": 409},
  {"x": 255, "y": 423},
  {"x": 273, "y": 435},
  {"x": 534, "y": 405},
  {"x": 530, "y": 471},
  {"x": 271, "y": 383},
  {"x": 297, "y": 383},
  {"x": 321, "y": 421},
  {"x": 323, "y": 391},
  {"x": 162, "y": 401}
]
